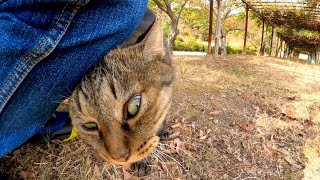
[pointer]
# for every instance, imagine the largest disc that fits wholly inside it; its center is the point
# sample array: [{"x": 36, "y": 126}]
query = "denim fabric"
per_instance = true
[{"x": 45, "y": 48}]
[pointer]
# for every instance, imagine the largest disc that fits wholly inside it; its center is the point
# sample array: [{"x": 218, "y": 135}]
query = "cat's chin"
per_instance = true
[
  {"x": 105, "y": 155},
  {"x": 136, "y": 156},
  {"x": 109, "y": 159}
]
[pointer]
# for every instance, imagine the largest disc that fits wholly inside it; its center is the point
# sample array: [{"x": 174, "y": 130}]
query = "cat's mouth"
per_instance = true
[{"x": 137, "y": 152}]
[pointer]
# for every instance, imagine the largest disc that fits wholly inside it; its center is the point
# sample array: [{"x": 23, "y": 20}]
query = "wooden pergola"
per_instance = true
[{"x": 290, "y": 14}]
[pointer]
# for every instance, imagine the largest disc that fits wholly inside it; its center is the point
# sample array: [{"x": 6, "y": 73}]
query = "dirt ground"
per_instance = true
[{"x": 234, "y": 117}]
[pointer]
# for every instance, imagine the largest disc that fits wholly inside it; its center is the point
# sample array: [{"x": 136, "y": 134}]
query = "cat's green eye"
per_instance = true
[
  {"x": 91, "y": 126},
  {"x": 133, "y": 106}
]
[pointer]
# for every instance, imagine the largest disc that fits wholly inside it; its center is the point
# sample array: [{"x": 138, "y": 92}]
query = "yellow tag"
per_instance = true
[{"x": 73, "y": 135}]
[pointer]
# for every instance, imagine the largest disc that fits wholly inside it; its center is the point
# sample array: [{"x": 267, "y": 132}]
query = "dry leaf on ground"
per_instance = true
[
  {"x": 248, "y": 126},
  {"x": 27, "y": 174},
  {"x": 214, "y": 113}
]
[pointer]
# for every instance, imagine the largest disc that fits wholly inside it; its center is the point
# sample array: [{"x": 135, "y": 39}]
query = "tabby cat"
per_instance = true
[{"x": 120, "y": 105}]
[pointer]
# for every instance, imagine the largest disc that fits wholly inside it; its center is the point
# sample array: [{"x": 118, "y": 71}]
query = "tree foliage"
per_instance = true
[
  {"x": 299, "y": 32},
  {"x": 196, "y": 18}
]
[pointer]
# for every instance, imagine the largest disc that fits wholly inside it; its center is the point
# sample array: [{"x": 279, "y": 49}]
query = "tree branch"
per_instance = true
[
  {"x": 226, "y": 15},
  {"x": 169, "y": 10},
  {"x": 234, "y": 29},
  {"x": 160, "y": 6},
  {"x": 181, "y": 8}
]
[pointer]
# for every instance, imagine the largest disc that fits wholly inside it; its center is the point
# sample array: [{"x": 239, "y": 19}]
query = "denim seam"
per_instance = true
[
  {"x": 34, "y": 50},
  {"x": 45, "y": 52}
]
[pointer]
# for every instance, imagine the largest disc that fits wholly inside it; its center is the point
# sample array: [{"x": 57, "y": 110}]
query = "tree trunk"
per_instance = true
[
  {"x": 174, "y": 32},
  {"x": 218, "y": 29},
  {"x": 210, "y": 27},
  {"x": 277, "y": 45},
  {"x": 285, "y": 50},
  {"x": 291, "y": 52},
  {"x": 295, "y": 54},
  {"x": 262, "y": 44},
  {"x": 313, "y": 56},
  {"x": 281, "y": 44},
  {"x": 245, "y": 31},
  {"x": 223, "y": 40},
  {"x": 174, "y": 19},
  {"x": 224, "y": 44},
  {"x": 288, "y": 51},
  {"x": 271, "y": 42}
]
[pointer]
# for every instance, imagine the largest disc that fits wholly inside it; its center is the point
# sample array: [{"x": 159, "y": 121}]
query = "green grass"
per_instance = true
[{"x": 240, "y": 72}]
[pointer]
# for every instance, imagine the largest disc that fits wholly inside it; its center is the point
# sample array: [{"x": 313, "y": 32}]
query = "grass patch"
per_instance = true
[{"x": 240, "y": 72}]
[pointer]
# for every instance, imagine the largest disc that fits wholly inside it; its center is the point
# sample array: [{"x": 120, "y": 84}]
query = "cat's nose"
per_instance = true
[{"x": 121, "y": 157}]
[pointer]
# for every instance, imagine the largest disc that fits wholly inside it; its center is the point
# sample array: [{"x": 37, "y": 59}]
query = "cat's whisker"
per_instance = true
[
  {"x": 189, "y": 154},
  {"x": 106, "y": 170},
  {"x": 169, "y": 145},
  {"x": 162, "y": 163},
  {"x": 172, "y": 158},
  {"x": 162, "y": 154},
  {"x": 158, "y": 157},
  {"x": 114, "y": 169},
  {"x": 58, "y": 101},
  {"x": 201, "y": 146},
  {"x": 148, "y": 161},
  {"x": 145, "y": 160},
  {"x": 66, "y": 97},
  {"x": 193, "y": 139},
  {"x": 179, "y": 150},
  {"x": 69, "y": 91},
  {"x": 163, "y": 157}
]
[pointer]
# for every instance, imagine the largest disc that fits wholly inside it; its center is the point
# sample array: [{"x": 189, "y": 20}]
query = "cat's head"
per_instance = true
[{"x": 120, "y": 105}]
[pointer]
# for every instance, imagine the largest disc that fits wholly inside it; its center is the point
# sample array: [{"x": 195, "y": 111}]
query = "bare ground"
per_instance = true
[{"x": 235, "y": 117}]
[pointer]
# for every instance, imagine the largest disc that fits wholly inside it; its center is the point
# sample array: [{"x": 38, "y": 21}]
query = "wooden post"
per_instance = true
[
  {"x": 277, "y": 45},
  {"x": 285, "y": 47},
  {"x": 246, "y": 31},
  {"x": 266, "y": 30},
  {"x": 281, "y": 47},
  {"x": 285, "y": 53},
  {"x": 271, "y": 41},
  {"x": 289, "y": 49},
  {"x": 261, "y": 53},
  {"x": 210, "y": 27},
  {"x": 313, "y": 55}
]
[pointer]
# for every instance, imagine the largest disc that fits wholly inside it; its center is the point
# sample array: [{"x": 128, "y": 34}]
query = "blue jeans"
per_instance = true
[{"x": 45, "y": 48}]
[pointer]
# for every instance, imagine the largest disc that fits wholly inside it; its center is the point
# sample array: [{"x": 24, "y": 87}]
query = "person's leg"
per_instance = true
[{"x": 96, "y": 29}]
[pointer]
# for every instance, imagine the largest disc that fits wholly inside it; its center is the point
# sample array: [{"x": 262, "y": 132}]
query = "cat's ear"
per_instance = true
[{"x": 154, "y": 47}]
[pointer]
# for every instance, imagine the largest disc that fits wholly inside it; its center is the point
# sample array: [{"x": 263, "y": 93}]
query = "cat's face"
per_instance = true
[{"x": 119, "y": 107}]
